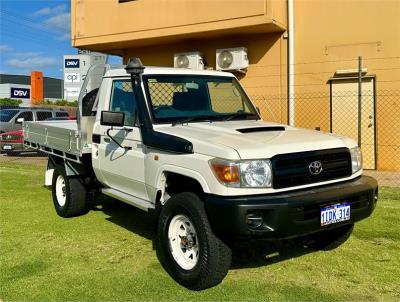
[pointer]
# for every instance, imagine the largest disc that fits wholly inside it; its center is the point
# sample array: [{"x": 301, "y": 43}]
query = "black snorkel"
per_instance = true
[{"x": 150, "y": 137}]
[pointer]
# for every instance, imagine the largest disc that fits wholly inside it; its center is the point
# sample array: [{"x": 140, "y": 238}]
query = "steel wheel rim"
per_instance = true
[
  {"x": 183, "y": 242},
  {"x": 60, "y": 190}
]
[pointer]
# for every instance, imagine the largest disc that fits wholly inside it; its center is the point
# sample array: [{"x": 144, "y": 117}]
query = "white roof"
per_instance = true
[{"x": 121, "y": 72}]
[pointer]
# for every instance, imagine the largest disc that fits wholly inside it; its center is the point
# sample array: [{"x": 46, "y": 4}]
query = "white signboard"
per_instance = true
[
  {"x": 72, "y": 77},
  {"x": 75, "y": 70},
  {"x": 71, "y": 92}
]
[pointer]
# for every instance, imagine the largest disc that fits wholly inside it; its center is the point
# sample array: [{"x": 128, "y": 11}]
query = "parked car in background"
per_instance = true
[
  {"x": 61, "y": 118},
  {"x": 11, "y": 118},
  {"x": 12, "y": 142}
]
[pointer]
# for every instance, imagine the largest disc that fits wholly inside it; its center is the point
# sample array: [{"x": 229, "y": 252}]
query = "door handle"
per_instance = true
[{"x": 107, "y": 140}]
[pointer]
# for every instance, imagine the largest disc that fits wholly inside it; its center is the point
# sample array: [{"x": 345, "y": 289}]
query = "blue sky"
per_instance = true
[{"x": 34, "y": 35}]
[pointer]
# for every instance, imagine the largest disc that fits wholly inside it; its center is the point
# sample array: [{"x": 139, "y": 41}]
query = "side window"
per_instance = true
[
  {"x": 122, "y": 99},
  {"x": 26, "y": 115},
  {"x": 61, "y": 114},
  {"x": 43, "y": 115}
]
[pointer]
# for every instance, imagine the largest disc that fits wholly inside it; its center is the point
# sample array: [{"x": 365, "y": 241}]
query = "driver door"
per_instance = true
[{"x": 123, "y": 169}]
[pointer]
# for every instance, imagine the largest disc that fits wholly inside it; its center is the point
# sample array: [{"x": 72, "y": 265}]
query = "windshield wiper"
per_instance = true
[
  {"x": 240, "y": 114},
  {"x": 191, "y": 119}
]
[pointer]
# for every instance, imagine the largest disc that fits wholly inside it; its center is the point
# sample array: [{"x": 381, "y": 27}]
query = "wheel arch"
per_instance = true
[
  {"x": 189, "y": 180},
  {"x": 71, "y": 168}
]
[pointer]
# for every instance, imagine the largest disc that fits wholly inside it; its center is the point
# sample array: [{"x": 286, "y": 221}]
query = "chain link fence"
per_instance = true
[{"x": 375, "y": 125}]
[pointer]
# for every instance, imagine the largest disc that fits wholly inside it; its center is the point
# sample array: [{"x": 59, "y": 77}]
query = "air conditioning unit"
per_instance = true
[
  {"x": 232, "y": 59},
  {"x": 191, "y": 60}
]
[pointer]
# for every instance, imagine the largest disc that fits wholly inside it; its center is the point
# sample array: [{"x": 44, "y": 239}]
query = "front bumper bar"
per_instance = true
[{"x": 290, "y": 214}]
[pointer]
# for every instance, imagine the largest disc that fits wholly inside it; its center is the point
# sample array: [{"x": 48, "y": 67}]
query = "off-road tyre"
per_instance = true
[
  {"x": 330, "y": 239},
  {"x": 75, "y": 202},
  {"x": 214, "y": 256}
]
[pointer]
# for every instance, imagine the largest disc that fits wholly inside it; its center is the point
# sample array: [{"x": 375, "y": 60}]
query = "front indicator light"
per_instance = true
[{"x": 226, "y": 172}]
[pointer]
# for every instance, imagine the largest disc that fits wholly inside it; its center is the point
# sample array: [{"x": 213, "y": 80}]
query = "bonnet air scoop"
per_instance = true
[{"x": 261, "y": 129}]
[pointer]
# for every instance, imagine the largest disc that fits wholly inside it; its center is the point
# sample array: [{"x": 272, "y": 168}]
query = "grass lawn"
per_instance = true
[{"x": 107, "y": 255}]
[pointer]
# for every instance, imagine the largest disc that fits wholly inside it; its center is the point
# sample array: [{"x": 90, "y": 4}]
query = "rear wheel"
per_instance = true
[
  {"x": 330, "y": 239},
  {"x": 186, "y": 246},
  {"x": 69, "y": 195}
]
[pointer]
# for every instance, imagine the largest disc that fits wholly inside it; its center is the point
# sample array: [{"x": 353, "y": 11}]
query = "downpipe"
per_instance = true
[{"x": 291, "y": 63}]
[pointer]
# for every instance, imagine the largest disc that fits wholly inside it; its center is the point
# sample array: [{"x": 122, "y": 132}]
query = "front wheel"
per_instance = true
[{"x": 186, "y": 245}]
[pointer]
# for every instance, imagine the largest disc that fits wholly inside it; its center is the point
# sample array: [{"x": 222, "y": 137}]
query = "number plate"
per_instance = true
[
  {"x": 7, "y": 147},
  {"x": 335, "y": 213}
]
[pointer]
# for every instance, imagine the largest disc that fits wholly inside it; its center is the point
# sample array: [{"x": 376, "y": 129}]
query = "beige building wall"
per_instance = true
[
  {"x": 154, "y": 30},
  {"x": 329, "y": 36},
  {"x": 263, "y": 78},
  {"x": 113, "y": 26}
]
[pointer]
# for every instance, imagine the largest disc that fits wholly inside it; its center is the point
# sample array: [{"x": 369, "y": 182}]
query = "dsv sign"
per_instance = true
[
  {"x": 20, "y": 93},
  {"x": 71, "y": 63},
  {"x": 72, "y": 78}
]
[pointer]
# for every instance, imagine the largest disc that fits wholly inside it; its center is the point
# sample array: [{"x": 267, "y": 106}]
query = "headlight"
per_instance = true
[
  {"x": 255, "y": 173},
  {"x": 356, "y": 159},
  {"x": 245, "y": 174}
]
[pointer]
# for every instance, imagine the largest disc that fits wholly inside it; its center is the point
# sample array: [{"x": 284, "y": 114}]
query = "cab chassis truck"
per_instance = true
[{"x": 191, "y": 146}]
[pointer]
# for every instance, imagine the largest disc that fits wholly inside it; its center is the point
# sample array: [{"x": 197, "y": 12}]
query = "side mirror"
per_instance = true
[
  {"x": 20, "y": 120},
  {"x": 112, "y": 118}
]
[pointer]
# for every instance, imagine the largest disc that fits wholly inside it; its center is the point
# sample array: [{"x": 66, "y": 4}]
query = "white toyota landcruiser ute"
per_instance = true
[{"x": 191, "y": 147}]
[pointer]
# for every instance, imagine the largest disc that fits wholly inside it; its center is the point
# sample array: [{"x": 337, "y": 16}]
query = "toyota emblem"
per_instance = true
[{"x": 315, "y": 167}]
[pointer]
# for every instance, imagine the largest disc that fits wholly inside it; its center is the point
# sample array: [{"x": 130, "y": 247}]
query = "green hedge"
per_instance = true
[
  {"x": 61, "y": 103},
  {"x": 13, "y": 102},
  {"x": 10, "y": 102}
]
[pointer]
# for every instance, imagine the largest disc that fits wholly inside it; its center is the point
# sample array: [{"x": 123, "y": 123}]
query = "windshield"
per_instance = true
[
  {"x": 193, "y": 98},
  {"x": 6, "y": 115}
]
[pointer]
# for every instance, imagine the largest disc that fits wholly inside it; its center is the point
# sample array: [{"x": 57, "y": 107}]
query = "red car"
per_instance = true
[{"x": 12, "y": 142}]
